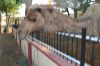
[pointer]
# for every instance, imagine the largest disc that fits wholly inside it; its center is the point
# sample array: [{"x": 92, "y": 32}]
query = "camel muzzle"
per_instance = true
[{"x": 21, "y": 35}]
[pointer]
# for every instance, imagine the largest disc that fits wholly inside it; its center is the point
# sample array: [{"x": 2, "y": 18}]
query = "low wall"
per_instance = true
[
  {"x": 34, "y": 55},
  {"x": 40, "y": 54}
]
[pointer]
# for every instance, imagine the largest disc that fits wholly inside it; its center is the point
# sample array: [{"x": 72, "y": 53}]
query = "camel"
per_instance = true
[
  {"x": 48, "y": 19},
  {"x": 92, "y": 17}
]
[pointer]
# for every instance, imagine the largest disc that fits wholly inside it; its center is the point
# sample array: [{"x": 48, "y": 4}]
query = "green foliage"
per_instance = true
[
  {"x": 84, "y": 5},
  {"x": 79, "y": 5},
  {"x": 9, "y": 6}
]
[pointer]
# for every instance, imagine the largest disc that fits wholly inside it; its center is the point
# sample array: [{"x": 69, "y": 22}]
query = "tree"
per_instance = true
[
  {"x": 69, "y": 4},
  {"x": 76, "y": 5},
  {"x": 62, "y": 4},
  {"x": 84, "y": 5},
  {"x": 8, "y": 7}
]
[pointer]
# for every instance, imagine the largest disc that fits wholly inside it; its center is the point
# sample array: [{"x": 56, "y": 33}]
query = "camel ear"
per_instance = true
[
  {"x": 38, "y": 9},
  {"x": 50, "y": 10},
  {"x": 26, "y": 12}
]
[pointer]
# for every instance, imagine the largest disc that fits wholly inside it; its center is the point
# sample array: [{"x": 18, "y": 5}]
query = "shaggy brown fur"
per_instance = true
[
  {"x": 46, "y": 18},
  {"x": 92, "y": 17}
]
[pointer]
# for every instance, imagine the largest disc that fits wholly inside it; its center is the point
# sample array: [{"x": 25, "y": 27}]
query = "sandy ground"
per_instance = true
[{"x": 10, "y": 53}]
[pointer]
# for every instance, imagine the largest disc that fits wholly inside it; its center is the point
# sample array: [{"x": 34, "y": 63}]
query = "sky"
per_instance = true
[
  {"x": 40, "y": 2},
  {"x": 22, "y": 9}
]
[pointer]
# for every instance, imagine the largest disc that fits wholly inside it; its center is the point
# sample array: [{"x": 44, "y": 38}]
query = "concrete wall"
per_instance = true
[
  {"x": 38, "y": 57},
  {"x": 24, "y": 47},
  {"x": 40, "y": 54}
]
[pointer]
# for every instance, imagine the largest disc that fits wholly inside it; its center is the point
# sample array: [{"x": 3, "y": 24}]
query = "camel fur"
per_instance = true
[{"x": 48, "y": 19}]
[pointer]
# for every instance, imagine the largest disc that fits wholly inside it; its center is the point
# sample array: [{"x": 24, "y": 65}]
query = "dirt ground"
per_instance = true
[{"x": 10, "y": 53}]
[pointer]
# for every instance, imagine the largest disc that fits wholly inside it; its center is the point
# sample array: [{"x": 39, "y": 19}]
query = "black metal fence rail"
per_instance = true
[
  {"x": 92, "y": 48},
  {"x": 71, "y": 44}
]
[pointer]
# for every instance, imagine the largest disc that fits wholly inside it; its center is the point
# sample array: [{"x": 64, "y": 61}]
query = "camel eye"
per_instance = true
[
  {"x": 38, "y": 9},
  {"x": 50, "y": 10},
  {"x": 32, "y": 19}
]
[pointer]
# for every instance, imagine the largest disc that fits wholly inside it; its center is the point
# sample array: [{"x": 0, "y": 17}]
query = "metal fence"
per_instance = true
[
  {"x": 74, "y": 45},
  {"x": 71, "y": 44}
]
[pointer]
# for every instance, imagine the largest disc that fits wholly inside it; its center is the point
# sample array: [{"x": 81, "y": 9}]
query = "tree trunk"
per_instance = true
[
  {"x": 97, "y": 1},
  {"x": 75, "y": 13},
  {"x": 0, "y": 22},
  {"x": 6, "y": 19},
  {"x": 28, "y": 3},
  {"x": 7, "y": 22},
  {"x": 67, "y": 11}
]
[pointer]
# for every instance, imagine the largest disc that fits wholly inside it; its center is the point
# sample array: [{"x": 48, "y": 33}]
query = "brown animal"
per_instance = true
[
  {"x": 92, "y": 16},
  {"x": 48, "y": 19}
]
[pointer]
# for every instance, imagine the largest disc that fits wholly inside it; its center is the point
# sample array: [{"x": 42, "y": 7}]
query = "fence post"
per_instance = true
[
  {"x": 83, "y": 47},
  {"x": 29, "y": 54}
]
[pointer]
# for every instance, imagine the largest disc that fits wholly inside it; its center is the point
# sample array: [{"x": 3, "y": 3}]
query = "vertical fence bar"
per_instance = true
[
  {"x": 64, "y": 42},
  {"x": 63, "y": 50},
  {"x": 32, "y": 35},
  {"x": 29, "y": 54},
  {"x": 50, "y": 38},
  {"x": 76, "y": 48},
  {"x": 53, "y": 40},
  {"x": 73, "y": 45},
  {"x": 68, "y": 44},
  {"x": 99, "y": 54},
  {"x": 99, "y": 61},
  {"x": 47, "y": 39},
  {"x": 92, "y": 54},
  {"x": 60, "y": 48},
  {"x": 57, "y": 41},
  {"x": 99, "y": 49},
  {"x": 36, "y": 35},
  {"x": 42, "y": 36},
  {"x": 83, "y": 48}
]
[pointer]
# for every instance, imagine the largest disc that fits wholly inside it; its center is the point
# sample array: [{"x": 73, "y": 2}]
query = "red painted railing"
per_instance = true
[{"x": 54, "y": 55}]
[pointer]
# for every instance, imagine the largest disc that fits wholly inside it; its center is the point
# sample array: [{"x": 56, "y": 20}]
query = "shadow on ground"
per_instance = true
[{"x": 10, "y": 53}]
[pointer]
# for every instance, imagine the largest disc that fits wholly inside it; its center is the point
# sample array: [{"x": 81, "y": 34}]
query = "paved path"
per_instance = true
[{"x": 10, "y": 52}]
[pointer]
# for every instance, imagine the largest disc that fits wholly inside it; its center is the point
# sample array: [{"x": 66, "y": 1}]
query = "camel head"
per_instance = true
[
  {"x": 35, "y": 19},
  {"x": 48, "y": 19}
]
